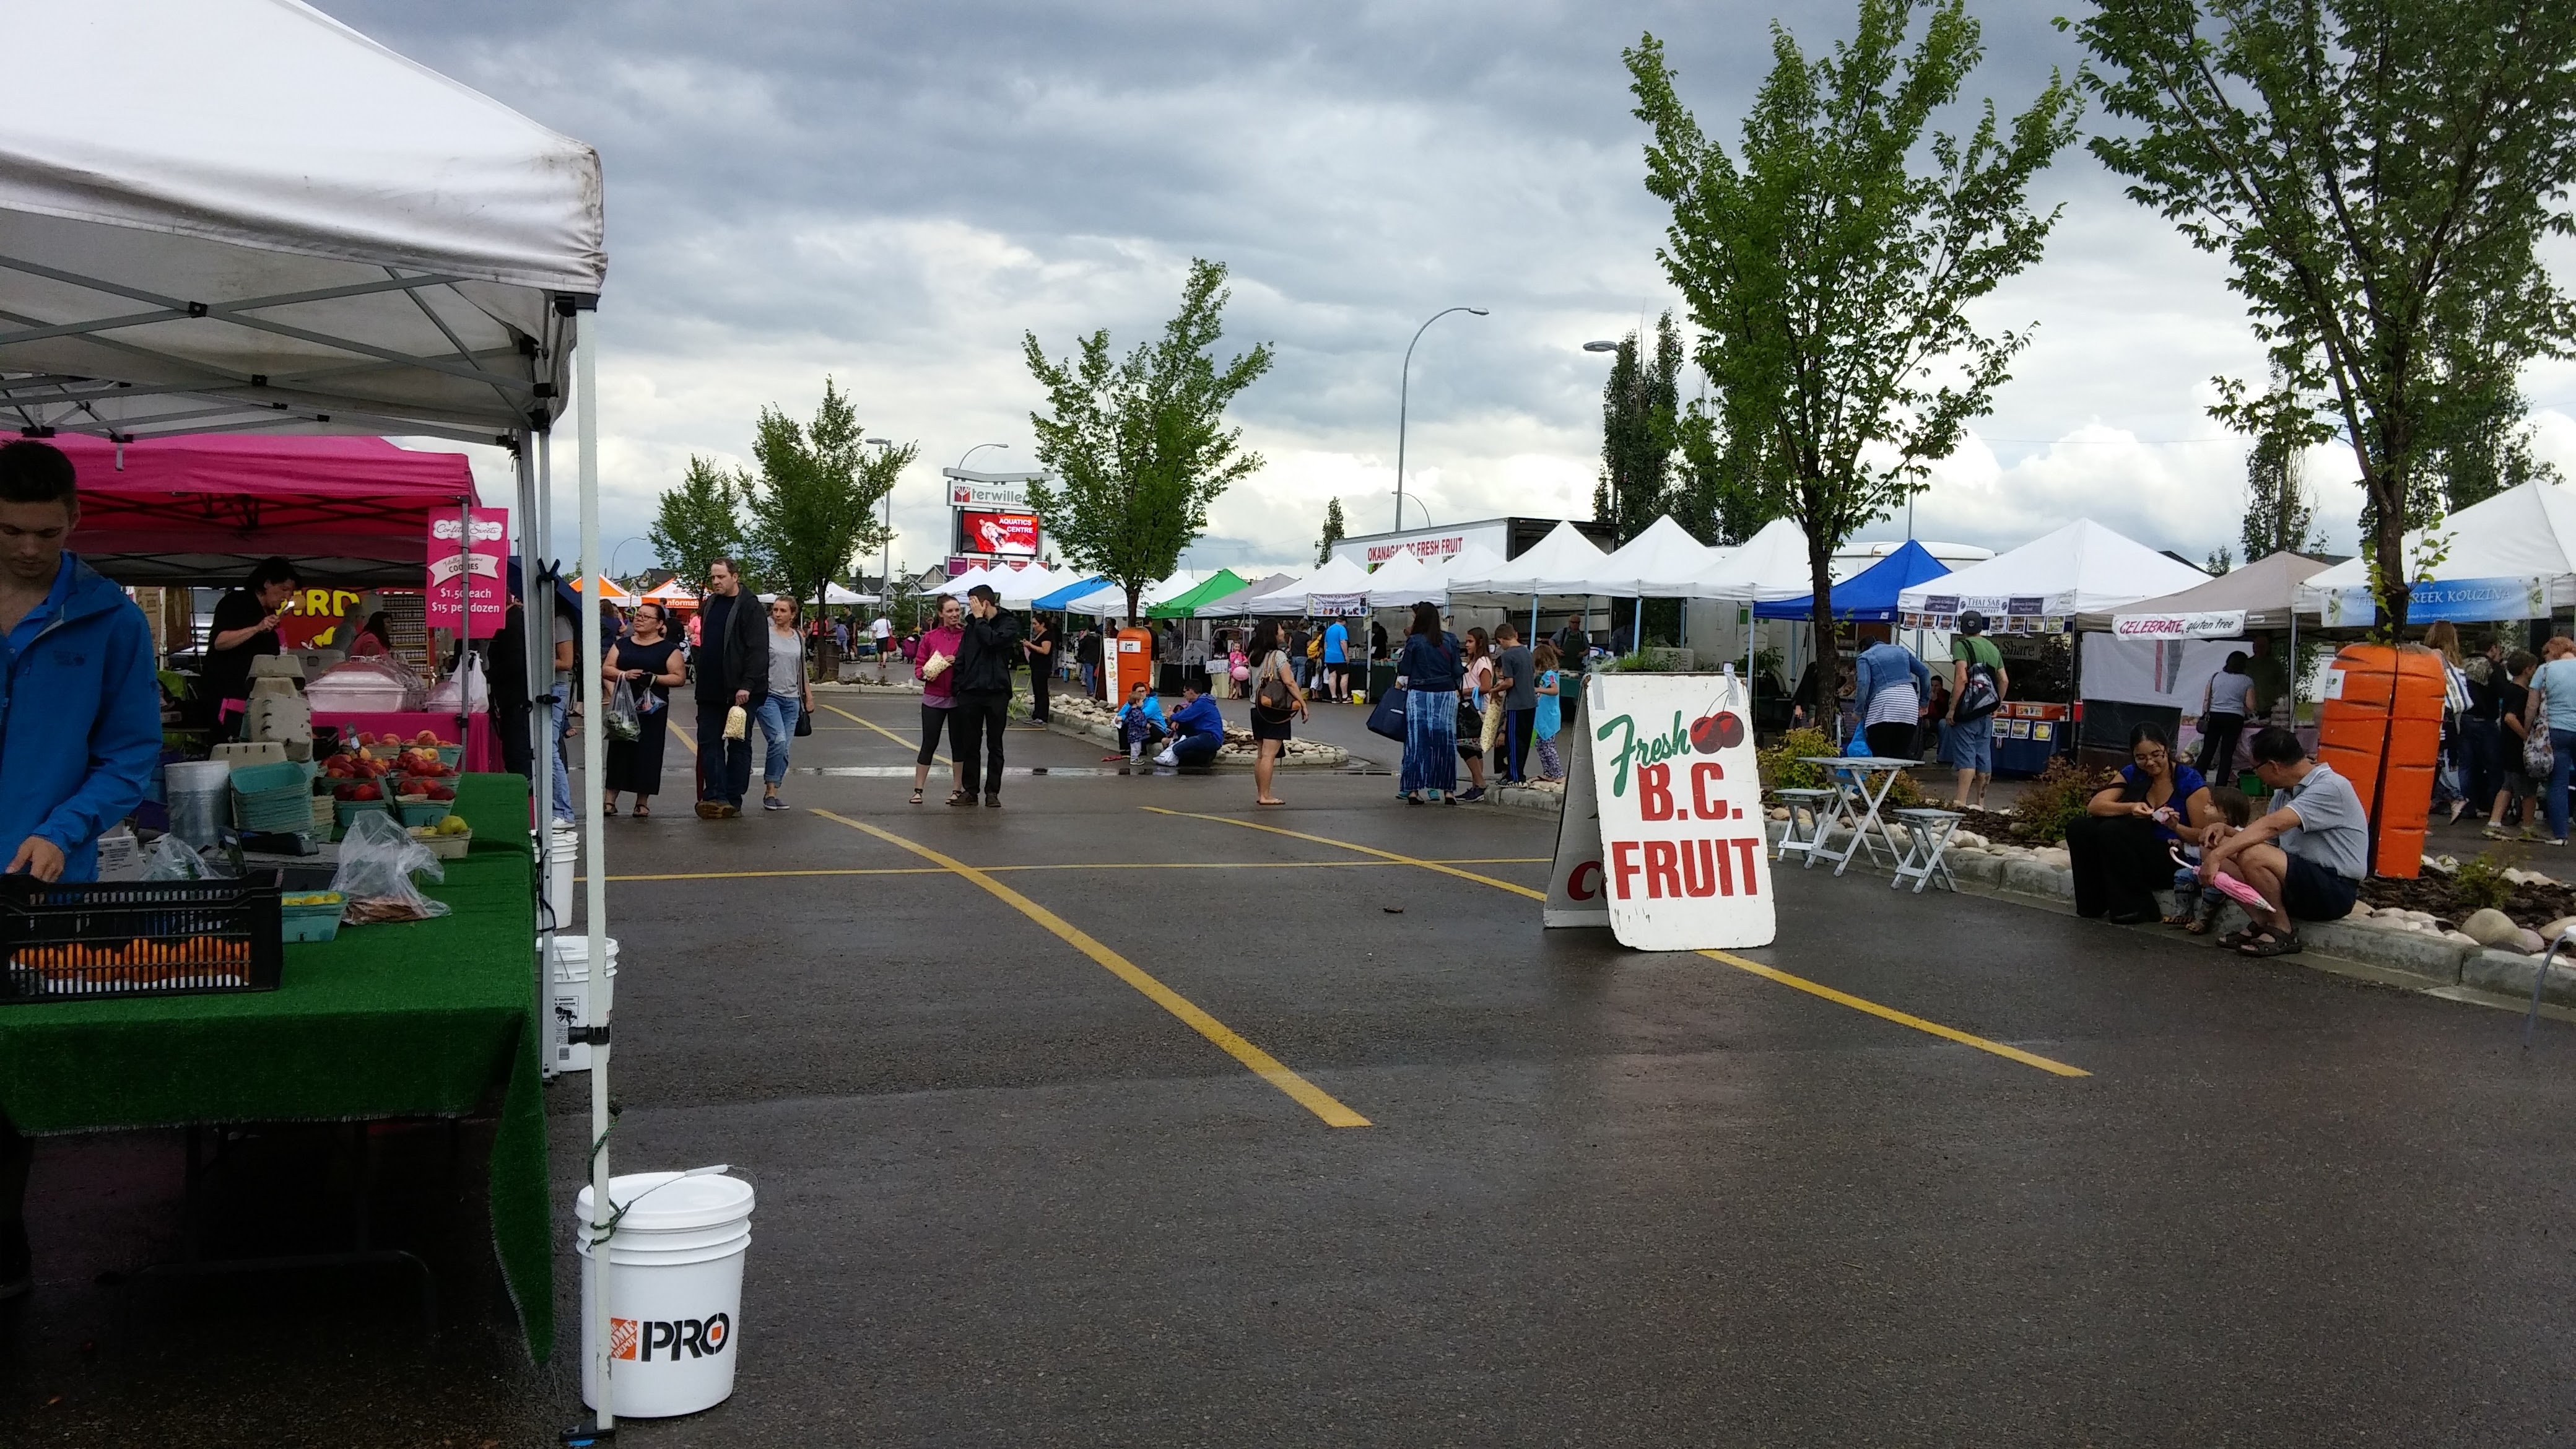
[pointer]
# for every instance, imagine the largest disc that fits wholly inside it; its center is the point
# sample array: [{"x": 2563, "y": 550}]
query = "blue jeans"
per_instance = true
[
  {"x": 1196, "y": 749},
  {"x": 555, "y": 716},
  {"x": 2562, "y": 757},
  {"x": 778, "y": 714}
]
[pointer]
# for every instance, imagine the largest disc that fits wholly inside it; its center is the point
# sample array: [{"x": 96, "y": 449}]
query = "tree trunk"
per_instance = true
[
  {"x": 1132, "y": 618},
  {"x": 2388, "y": 550},
  {"x": 1820, "y": 577}
]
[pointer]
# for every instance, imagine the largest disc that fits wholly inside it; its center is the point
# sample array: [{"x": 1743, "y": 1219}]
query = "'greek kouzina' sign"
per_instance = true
[{"x": 1682, "y": 863}]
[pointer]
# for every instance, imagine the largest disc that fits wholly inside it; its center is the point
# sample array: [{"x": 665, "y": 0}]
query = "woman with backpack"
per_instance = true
[
  {"x": 1427, "y": 671},
  {"x": 1276, "y": 700},
  {"x": 1978, "y": 684}
]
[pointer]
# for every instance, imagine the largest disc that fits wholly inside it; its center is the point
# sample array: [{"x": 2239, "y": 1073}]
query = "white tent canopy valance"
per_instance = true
[
  {"x": 2525, "y": 532},
  {"x": 370, "y": 248}
]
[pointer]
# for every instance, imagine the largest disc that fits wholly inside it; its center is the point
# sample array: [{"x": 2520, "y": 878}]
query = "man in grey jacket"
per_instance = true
[{"x": 732, "y": 665}]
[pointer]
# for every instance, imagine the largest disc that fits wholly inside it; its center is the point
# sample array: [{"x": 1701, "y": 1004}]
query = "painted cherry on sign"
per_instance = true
[{"x": 1714, "y": 732}]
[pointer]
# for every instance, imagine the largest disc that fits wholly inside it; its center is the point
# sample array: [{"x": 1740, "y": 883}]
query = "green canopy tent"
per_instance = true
[{"x": 1182, "y": 606}]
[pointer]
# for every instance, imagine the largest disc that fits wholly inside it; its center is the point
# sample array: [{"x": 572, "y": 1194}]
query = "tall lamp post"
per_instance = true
[
  {"x": 885, "y": 569},
  {"x": 1404, "y": 403}
]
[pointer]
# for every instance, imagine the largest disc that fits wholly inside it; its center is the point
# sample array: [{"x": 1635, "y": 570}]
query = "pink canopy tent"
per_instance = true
[{"x": 202, "y": 508}]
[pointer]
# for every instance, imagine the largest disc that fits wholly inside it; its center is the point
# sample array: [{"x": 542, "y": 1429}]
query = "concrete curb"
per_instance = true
[{"x": 2425, "y": 962}]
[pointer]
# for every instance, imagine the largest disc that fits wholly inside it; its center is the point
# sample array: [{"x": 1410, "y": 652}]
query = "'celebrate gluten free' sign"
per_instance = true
[{"x": 1683, "y": 858}]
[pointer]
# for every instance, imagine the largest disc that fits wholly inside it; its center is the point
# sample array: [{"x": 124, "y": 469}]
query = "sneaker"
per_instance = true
[
  {"x": 2496, "y": 832},
  {"x": 1472, "y": 793},
  {"x": 772, "y": 802},
  {"x": 1167, "y": 759},
  {"x": 711, "y": 809},
  {"x": 994, "y": 802}
]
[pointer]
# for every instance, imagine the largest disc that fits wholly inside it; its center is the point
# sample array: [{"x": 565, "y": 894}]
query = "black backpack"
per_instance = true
[{"x": 1979, "y": 697}]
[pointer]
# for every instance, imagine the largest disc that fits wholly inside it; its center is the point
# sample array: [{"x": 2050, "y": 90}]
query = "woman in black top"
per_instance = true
[
  {"x": 1427, "y": 672},
  {"x": 2513, "y": 720},
  {"x": 1041, "y": 652},
  {"x": 244, "y": 628},
  {"x": 648, "y": 662}
]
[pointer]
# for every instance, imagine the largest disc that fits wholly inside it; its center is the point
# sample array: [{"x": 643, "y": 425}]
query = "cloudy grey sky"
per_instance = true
[{"x": 892, "y": 194}]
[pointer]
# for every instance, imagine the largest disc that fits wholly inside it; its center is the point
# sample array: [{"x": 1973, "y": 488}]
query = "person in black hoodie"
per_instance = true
[
  {"x": 983, "y": 706},
  {"x": 733, "y": 669}
]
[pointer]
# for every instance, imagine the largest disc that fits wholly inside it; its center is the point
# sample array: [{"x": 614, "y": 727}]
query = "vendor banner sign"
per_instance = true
[
  {"x": 466, "y": 590},
  {"x": 1683, "y": 862},
  {"x": 2198, "y": 624},
  {"x": 2461, "y": 601}
]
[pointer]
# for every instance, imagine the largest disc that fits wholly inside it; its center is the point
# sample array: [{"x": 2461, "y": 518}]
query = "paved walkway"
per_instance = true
[{"x": 1132, "y": 1115}]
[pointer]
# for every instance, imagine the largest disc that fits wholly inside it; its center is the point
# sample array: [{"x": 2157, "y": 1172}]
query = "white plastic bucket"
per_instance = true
[
  {"x": 569, "y": 990},
  {"x": 563, "y": 848},
  {"x": 674, "y": 1292}
]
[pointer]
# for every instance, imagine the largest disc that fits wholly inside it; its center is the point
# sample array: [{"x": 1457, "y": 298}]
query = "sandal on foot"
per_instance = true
[
  {"x": 916, "y": 797},
  {"x": 2268, "y": 944},
  {"x": 609, "y": 809},
  {"x": 2234, "y": 939},
  {"x": 2182, "y": 920},
  {"x": 643, "y": 811},
  {"x": 2196, "y": 926}
]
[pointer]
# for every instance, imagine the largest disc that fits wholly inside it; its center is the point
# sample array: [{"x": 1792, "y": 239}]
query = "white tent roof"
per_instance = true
[
  {"x": 220, "y": 214},
  {"x": 1343, "y": 578},
  {"x": 1405, "y": 580},
  {"x": 1772, "y": 564},
  {"x": 2525, "y": 532},
  {"x": 1664, "y": 562},
  {"x": 1564, "y": 562},
  {"x": 956, "y": 588},
  {"x": 1020, "y": 588},
  {"x": 2080, "y": 567},
  {"x": 835, "y": 594}
]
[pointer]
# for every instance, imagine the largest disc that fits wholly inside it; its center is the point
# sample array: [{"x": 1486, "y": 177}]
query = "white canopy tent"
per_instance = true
[
  {"x": 1111, "y": 599},
  {"x": 956, "y": 588},
  {"x": 2527, "y": 532},
  {"x": 1564, "y": 563},
  {"x": 1665, "y": 562},
  {"x": 1235, "y": 605},
  {"x": 1339, "y": 587},
  {"x": 2081, "y": 567},
  {"x": 835, "y": 594},
  {"x": 225, "y": 215},
  {"x": 1021, "y": 588},
  {"x": 1772, "y": 564},
  {"x": 1403, "y": 581}
]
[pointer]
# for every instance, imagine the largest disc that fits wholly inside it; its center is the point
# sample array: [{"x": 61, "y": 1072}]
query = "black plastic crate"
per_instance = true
[{"x": 98, "y": 939}]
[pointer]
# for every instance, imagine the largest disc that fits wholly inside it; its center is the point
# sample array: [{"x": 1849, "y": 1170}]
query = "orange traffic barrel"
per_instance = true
[{"x": 2380, "y": 726}]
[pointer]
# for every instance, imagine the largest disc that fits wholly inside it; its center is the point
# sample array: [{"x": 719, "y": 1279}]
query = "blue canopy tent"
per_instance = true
[
  {"x": 1071, "y": 592},
  {"x": 1870, "y": 595}
]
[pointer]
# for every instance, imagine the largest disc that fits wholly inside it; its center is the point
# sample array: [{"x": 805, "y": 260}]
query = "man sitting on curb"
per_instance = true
[
  {"x": 1139, "y": 723},
  {"x": 1198, "y": 728},
  {"x": 2324, "y": 850}
]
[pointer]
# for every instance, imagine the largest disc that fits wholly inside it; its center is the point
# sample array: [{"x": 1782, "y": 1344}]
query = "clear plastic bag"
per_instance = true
[
  {"x": 377, "y": 859},
  {"x": 621, "y": 718},
  {"x": 171, "y": 858}
]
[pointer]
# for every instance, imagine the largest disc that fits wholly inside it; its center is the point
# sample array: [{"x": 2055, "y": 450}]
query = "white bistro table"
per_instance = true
[{"x": 1861, "y": 783}]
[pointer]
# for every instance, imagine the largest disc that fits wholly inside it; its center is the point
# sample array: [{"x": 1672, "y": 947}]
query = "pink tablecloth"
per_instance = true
[{"x": 482, "y": 746}]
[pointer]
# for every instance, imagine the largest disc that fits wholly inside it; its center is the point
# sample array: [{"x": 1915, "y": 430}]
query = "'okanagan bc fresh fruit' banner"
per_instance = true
[{"x": 1684, "y": 864}]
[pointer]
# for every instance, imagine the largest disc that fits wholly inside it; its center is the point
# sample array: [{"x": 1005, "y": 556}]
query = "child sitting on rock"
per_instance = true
[{"x": 2196, "y": 905}]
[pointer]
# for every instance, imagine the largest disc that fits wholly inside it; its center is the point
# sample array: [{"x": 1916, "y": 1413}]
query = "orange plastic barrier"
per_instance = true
[
  {"x": 1128, "y": 659},
  {"x": 2380, "y": 726}
]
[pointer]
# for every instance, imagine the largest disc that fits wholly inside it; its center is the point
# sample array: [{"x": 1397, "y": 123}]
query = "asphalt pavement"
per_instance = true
[{"x": 1054, "y": 1113}]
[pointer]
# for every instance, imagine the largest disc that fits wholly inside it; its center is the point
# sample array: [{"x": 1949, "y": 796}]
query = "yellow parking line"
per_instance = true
[
  {"x": 1059, "y": 865},
  {"x": 1305, "y": 1093},
  {"x": 881, "y": 729},
  {"x": 686, "y": 742},
  {"x": 1773, "y": 973}
]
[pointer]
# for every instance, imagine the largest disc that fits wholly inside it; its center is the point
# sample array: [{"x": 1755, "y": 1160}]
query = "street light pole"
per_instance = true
[
  {"x": 885, "y": 568},
  {"x": 1404, "y": 405}
]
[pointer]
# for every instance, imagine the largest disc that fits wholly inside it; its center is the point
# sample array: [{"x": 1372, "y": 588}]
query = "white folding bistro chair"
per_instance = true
[
  {"x": 1927, "y": 844},
  {"x": 1817, "y": 808}
]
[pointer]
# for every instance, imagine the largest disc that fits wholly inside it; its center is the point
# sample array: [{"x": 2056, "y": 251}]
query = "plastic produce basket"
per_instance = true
[
  {"x": 349, "y": 810},
  {"x": 287, "y": 810},
  {"x": 424, "y": 812},
  {"x": 75, "y": 941},
  {"x": 445, "y": 847},
  {"x": 278, "y": 778},
  {"x": 309, "y": 916}
]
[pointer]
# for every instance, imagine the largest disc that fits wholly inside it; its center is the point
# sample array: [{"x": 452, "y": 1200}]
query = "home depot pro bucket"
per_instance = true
[
  {"x": 568, "y": 990},
  {"x": 674, "y": 1291}
]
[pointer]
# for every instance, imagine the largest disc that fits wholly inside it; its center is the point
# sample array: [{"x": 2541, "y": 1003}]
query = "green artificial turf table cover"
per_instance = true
[{"x": 413, "y": 1019}]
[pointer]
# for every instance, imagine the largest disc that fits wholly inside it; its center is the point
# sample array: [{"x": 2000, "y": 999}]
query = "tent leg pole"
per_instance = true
[{"x": 603, "y": 987}]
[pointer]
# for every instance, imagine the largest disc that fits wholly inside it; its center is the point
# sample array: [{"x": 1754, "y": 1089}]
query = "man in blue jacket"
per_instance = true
[
  {"x": 1198, "y": 728},
  {"x": 80, "y": 724}
]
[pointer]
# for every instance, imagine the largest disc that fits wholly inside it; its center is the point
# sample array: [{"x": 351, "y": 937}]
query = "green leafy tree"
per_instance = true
[
  {"x": 1139, "y": 445},
  {"x": 814, "y": 505},
  {"x": 700, "y": 520},
  {"x": 1334, "y": 532},
  {"x": 2277, "y": 512},
  {"x": 2221, "y": 560},
  {"x": 1640, "y": 428},
  {"x": 1829, "y": 278},
  {"x": 2379, "y": 177}
]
